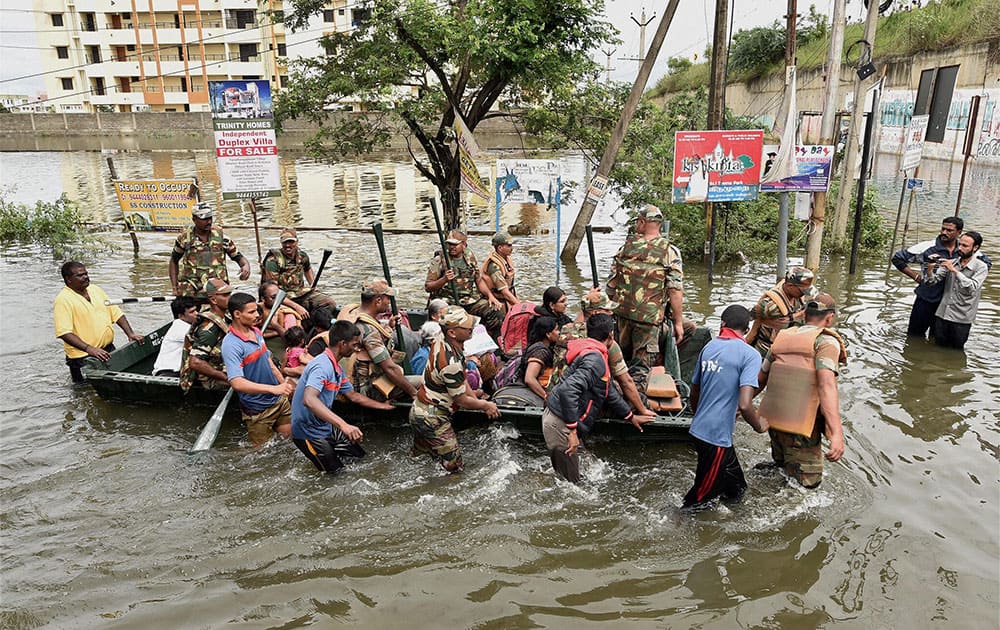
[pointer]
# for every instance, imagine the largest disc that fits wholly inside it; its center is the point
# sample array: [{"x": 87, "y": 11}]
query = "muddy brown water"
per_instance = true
[{"x": 106, "y": 521}]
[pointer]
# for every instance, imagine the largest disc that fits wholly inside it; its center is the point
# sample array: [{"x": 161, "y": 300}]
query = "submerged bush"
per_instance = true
[{"x": 52, "y": 222}]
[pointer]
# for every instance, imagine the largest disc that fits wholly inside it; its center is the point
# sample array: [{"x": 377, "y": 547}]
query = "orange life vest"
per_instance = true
[{"x": 791, "y": 399}]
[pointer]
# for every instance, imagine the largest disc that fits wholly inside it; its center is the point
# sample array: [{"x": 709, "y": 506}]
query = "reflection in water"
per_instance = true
[{"x": 850, "y": 593}]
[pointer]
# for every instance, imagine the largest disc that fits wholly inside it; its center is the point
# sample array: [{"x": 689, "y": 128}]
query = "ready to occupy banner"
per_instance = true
[
  {"x": 245, "y": 145},
  {"x": 717, "y": 165},
  {"x": 156, "y": 204}
]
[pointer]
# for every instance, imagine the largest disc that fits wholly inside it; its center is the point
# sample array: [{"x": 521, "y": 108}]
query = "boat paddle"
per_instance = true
[
  {"x": 593, "y": 259},
  {"x": 400, "y": 342},
  {"x": 444, "y": 247},
  {"x": 319, "y": 272},
  {"x": 211, "y": 431},
  {"x": 138, "y": 300}
]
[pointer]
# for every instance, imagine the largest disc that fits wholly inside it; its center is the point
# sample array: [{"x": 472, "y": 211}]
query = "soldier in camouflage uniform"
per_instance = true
[
  {"x": 199, "y": 254},
  {"x": 498, "y": 271},
  {"x": 645, "y": 277},
  {"x": 443, "y": 391},
  {"x": 594, "y": 303},
  {"x": 201, "y": 359},
  {"x": 802, "y": 368},
  {"x": 463, "y": 271},
  {"x": 289, "y": 267},
  {"x": 781, "y": 307},
  {"x": 378, "y": 356}
]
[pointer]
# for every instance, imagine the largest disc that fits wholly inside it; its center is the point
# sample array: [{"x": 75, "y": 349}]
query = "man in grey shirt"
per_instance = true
[{"x": 963, "y": 282}]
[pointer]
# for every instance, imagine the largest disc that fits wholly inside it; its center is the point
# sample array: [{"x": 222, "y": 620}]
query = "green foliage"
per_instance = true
[
  {"x": 935, "y": 26},
  {"x": 874, "y": 231},
  {"x": 423, "y": 59},
  {"x": 53, "y": 223}
]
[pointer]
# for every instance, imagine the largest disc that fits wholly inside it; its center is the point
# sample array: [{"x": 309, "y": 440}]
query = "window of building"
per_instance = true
[
  {"x": 67, "y": 83},
  {"x": 62, "y": 52},
  {"x": 284, "y": 80},
  {"x": 282, "y": 50},
  {"x": 57, "y": 19},
  {"x": 341, "y": 11},
  {"x": 327, "y": 15}
]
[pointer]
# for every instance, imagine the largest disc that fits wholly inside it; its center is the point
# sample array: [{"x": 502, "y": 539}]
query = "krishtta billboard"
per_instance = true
[{"x": 717, "y": 165}]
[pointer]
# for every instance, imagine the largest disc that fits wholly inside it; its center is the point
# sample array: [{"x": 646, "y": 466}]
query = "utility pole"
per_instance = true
[
  {"x": 600, "y": 180},
  {"x": 643, "y": 23},
  {"x": 851, "y": 150},
  {"x": 716, "y": 112},
  {"x": 608, "y": 68},
  {"x": 783, "y": 202},
  {"x": 827, "y": 131}
]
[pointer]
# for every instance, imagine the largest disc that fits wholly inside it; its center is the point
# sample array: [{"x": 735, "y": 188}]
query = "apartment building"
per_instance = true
[{"x": 159, "y": 55}]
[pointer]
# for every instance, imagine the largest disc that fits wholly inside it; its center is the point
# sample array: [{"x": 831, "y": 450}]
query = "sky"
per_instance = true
[{"x": 689, "y": 34}]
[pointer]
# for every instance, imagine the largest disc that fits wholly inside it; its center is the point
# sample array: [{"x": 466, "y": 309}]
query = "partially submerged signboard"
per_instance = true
[
  {"x": 156, "y": 204},
  {"x": 717, "y": 165},
  {"x": 245, "y": 145},
  {"x": 813, "y": 163},
  {"x": 913, "y": 142}
]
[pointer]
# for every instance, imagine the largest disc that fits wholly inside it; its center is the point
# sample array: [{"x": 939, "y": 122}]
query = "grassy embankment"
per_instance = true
[{"x": 937, "y": 26}]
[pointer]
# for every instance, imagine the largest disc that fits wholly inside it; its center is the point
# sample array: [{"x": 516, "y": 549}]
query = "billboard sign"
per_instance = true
[
  {"x": 913, "y": 142},
  {"x": 156, "y": 204},
  {"x": 813, "y": 164},
  {"x": 717, "y": 165},
  {"x": 245, "y": 145}
]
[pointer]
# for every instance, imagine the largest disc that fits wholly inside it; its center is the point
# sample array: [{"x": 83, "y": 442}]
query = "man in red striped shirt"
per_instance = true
[
  {"x": 262, "y": 389},
  {"x": 724, "y": 380}
]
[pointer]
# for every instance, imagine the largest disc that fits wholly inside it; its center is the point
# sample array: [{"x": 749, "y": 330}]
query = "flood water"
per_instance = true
[{"x": 106, "y": 520}]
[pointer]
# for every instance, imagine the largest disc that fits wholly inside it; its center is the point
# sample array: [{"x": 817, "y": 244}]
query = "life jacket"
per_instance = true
[
  {"x": 465, "y": 279},
  {"x": 506, "y": 265},
  {"x": 778, "y": 297},
  {"x": 205, "y": 319},
  {"x": 514, "y": 330},
  {"x": 791, "y": 399}
]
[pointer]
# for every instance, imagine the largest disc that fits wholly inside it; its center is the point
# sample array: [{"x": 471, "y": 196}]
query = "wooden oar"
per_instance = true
[
  {"x": 322, "y": 264},
  {"x": 444, "y": 247},
  {"x": 593, "y": 259},
  {"x": 139, "y": 300},
  {"x": 211, "y": 431},
  {"x": 400, "y": 342}
]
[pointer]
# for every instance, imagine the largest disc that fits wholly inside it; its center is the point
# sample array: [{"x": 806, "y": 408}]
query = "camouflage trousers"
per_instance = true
[
  {"x": 640, "y": 344},
  {"x": 433, "y": 435},
  {"x": 313, "y": 300},
  {"x": 801, "y": 457},
  {"x": 490, "y": 317}
]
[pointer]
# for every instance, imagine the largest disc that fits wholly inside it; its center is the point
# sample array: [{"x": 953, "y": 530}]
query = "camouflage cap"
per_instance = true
[
  {"x": 799, "y": 276},
  {"x": 375, "y": 288},
  {"x": 502, "y": 238},
  {"x": 456, "y": 237},
  {"x": 202, "y": 210},
  {"x": 289, "y": 234},
  {"x": 457, "y": 317},
  {"x": 597, "y": 300},
  {"x": 215, "y": 286},
  {"x": 650, "y": 213},
  {"x": 823, "y": 303}
]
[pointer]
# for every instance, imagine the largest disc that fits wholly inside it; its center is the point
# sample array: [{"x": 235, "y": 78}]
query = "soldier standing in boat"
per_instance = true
[
  {"x": 201, "y": 359},
  {"x": 801, "y": 403},
  {"x": 462, "y": 269},
  {"x": 290, "y": 268},
  {"x": 200, "y": 254},
  {"x": 498, "y": 271},
  {"x": 646, "y": 275},
  {"x": 781, "y": 307}
]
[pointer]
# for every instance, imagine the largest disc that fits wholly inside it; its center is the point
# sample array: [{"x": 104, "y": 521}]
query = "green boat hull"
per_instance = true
[{"x": 127, "y": 378}]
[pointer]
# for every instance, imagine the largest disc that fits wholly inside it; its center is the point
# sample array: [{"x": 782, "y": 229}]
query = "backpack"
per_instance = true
[
  {"x": 507, "y": 375},
  {"x": 514, "y": 330}
]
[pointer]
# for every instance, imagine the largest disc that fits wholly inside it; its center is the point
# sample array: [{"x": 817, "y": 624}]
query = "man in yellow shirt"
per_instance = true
[{"x": 83, "y": 322}]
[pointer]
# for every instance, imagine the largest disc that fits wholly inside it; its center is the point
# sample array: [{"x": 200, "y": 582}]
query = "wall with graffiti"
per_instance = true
[{"x": 897, "y": 109}]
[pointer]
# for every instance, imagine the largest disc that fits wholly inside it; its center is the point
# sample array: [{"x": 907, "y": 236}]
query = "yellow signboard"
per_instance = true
[{"x": 156, "y": 204}]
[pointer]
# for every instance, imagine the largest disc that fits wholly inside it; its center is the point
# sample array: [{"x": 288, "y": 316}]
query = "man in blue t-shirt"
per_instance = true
[
  {"x": 261, "y": 387},
  {"x": 321, "y": 435},
  {"x": 724, "y": 380}
]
